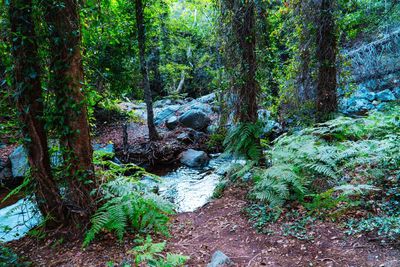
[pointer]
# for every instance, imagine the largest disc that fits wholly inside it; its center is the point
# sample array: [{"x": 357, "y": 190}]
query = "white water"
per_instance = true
[{"x": 16, "y": 220}]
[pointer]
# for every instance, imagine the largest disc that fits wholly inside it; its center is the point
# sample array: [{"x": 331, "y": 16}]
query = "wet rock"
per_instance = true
[
  {"x": 19, "y": 162},
  {"x": 165, "y": 113},
  {"x": 195, "y": 119},
  {"x": 172, "y": 122},
  {"x": 219, "y": 259},
  {"x": 194, "y": 158},
  {"x": 385, "y": 95}
]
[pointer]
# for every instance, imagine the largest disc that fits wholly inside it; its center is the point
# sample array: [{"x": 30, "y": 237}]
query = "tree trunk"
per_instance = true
[
  {"x": 27, "y": 86},
  {"x": 244, "y": 24},
  {"x": 326, "y": 55},
  {"x": 153, "y": 135},
  {"x": 66, "y": 80}
]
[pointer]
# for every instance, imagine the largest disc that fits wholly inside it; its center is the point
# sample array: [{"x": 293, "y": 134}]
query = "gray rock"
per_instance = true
[
  {"x": 109, "y": 148},
  {"x": 219, "y": 259},
  {"x": 385, "y": 95},
  {"x": 195, "y": 105},
  {"x": 172, "y": 122},
  {"x": 396, "y": 92},
  {"x": 184, "y": 137},
  {"x": 19, "y": 162},
  {"x": 194, "y": 158},
  {"x": 195, "y": 119},
  {"x": 381, "y": 106},
  {"x": 364, "y": 93},
  {"x": 165, "y": 113},
  {"x": 371, "y": 85},
  {"x": 355, "y": 105},
  {"x": 162, "y": 103},
  {"x": 207, "y": 98}
]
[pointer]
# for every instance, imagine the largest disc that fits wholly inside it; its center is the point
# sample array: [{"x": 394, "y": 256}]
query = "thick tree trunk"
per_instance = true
[
  {"x": 29, "y": 102},
  {"x": 67, "y": 77},
  {"x": 326, "y": 55},
  {"x": 153, "y": 135},
  {"x": 244, "y": 24}
]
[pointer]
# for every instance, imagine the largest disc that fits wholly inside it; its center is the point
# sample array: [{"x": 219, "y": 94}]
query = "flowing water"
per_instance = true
[{"x": 187, "y": 188}]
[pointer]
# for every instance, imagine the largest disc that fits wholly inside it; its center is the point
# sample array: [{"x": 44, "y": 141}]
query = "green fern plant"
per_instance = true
[
  {"x": 150, "y": 253},
  {"x": 244, "y": 140}
]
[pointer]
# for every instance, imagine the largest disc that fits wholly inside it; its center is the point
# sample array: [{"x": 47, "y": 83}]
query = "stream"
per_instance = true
[{"x": 188, "y": 188}]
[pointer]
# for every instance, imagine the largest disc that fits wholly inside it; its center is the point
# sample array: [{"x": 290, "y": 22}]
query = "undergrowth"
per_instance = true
[
  {"x": 126, "y": 205},
  {"x": 333, "y": 168}
]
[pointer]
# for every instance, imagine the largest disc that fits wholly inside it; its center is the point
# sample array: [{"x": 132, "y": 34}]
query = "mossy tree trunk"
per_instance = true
[
  {"x": 29, "y": 102},
  {"x": 326, "y": 56},
  {"x": 66, "y": 81}
]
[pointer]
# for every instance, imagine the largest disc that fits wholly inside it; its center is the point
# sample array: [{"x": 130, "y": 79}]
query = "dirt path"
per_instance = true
[{"x": 222, "y": 225}]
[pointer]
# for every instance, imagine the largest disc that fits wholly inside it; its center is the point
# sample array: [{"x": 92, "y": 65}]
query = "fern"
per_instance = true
[
  {"x": 128, "y": 208},
  {"x": 244, "y": 140}
]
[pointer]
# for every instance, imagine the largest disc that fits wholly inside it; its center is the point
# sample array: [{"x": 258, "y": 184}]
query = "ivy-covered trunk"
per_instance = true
[
  {"x": 153, "y": 135},
  {"x": 326, "y": 56},
  {"x": 248, "y": 90},
  {"x": 71, "y": 118},
  {"x": 29, "y": 102}
]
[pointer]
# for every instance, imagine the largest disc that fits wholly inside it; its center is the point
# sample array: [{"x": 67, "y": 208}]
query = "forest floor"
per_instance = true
[{"x": 222, "y": 225}]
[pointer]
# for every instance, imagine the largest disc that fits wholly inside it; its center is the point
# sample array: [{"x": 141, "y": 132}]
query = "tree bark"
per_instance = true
[
  {"x": 66, "y": 80},
  {"x": 29, "y": 101},
  {"x": 326, "y": 56},
  {"x": 153, "y": 135}
]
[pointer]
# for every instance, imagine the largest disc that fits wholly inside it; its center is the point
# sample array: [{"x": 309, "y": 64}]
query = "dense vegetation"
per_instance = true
[{"x": 289, "y": 79}]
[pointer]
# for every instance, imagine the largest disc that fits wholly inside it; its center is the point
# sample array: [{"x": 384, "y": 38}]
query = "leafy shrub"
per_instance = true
[{"x": 261, "y": 215}]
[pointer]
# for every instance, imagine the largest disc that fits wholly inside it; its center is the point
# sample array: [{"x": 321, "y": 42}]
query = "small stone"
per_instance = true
[
  {"x": 219, "y": 259},
  {"x": 172, "y": 122},
  {"x": 385, "y": 95}
]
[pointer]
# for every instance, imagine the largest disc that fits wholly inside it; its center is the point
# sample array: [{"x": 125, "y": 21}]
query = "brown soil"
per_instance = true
[{"x": 222, "y": 225}]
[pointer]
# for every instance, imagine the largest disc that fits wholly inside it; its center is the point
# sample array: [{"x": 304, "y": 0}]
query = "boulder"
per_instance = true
[
  {"x": 219, "y": 259},
  {"x": 355, "y": 105},
  {"x": 19, "y": 162},
  {"x": 172, "y": 122},
  {"x": 109, "y": 148},
  {"x": 165, "y": 113},
  {"x": 195, "y": 119},
  {"x": 385, "y": 95},
  {"x": 207, "y": 98},
  {"x": 396, "y": 92},
  {"x": 364, "y": 93},
  {"x": 195, "y": 105},
  {"x": 194, "y": 158}
]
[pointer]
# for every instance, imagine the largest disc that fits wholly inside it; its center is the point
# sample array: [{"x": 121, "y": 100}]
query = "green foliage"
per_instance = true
[
  {"x": 127, "y": 208},
  {"x": 244, "y": 140},
  {"x": 298, "y": 227},
  {"x": 261, "y": 215},
  {"x": 9, "y": 259},
  {"x": 149, "y": 253},
  {"x": 325, "y": 154},
  {"x": 219, "y": 189},
  {"x": 127, "y": 204},
  {"x": 386, "y": 227}
]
